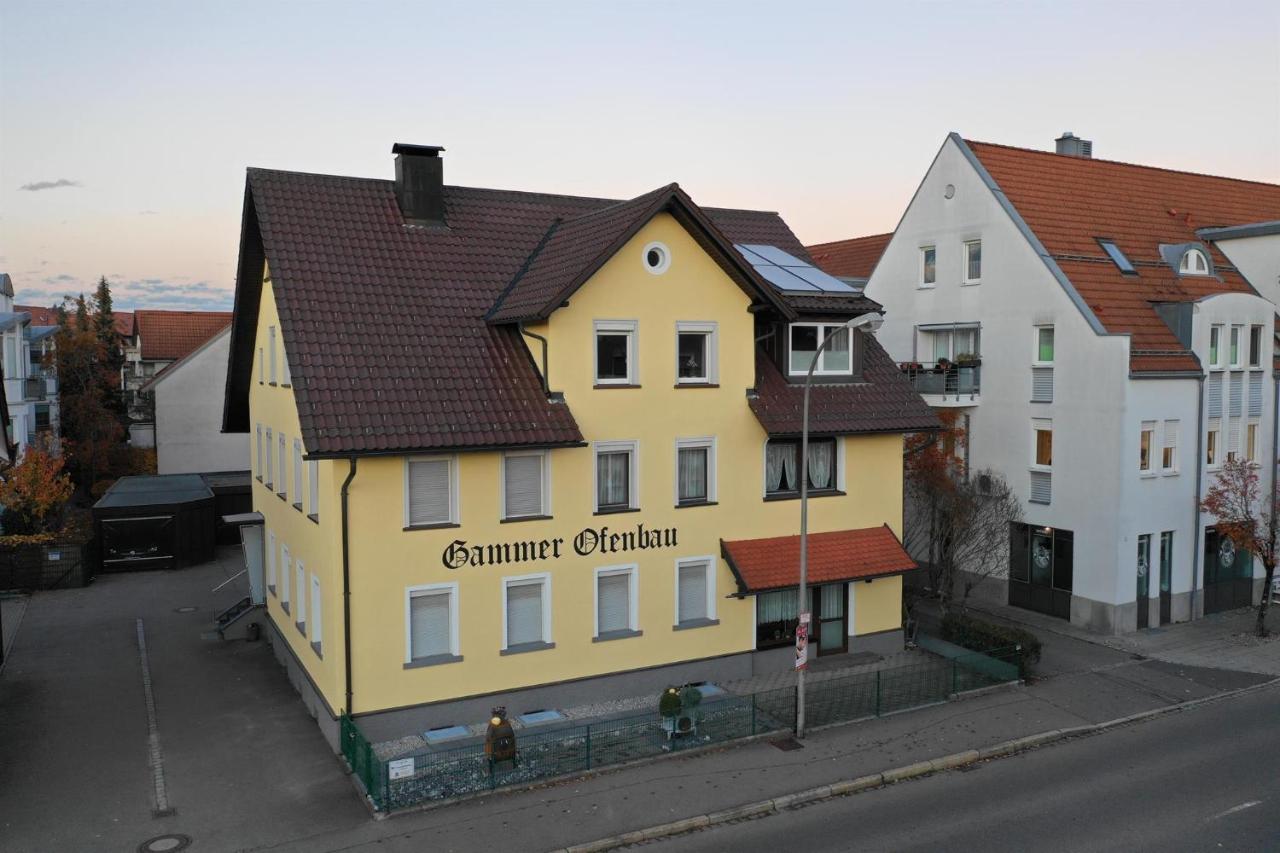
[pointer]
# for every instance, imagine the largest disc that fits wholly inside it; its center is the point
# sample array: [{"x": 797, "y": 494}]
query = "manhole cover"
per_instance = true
[
  {"x": 165, "y": 843},
  {"x": 187, "y": 609}
]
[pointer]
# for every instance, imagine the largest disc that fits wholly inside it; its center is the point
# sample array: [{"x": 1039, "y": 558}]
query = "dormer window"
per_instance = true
[
  {"x": 1193, "y": 262},
  {"x": 804, "y": 339}
]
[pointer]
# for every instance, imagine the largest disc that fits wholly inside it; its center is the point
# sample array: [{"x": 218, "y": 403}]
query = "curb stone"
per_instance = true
[{"x": 897, "y": 774}]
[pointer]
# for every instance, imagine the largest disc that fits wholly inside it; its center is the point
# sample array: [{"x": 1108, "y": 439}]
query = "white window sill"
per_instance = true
[
  {"x": 970, "y": 283},
  {"x": 1147, "y": 475},
  {"x": 926, "y": 286},
  {"x": 1042, "y": 364}
]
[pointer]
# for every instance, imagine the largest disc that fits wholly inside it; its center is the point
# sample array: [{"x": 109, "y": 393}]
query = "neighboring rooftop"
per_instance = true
[
  {"x": 855, "y": 258},
  {"x": 41, "y": 316},
  {"x": 170, "y": 335}
]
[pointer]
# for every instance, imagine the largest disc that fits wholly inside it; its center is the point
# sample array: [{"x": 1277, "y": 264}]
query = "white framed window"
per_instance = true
[
  {"x": 656, "y": 257},
  {"x": 617, "y": 604},
  {"x": 286, "y": 378},
  {"x": 1146, "y": 446},
  {"x": 1044, "y": 346},
  {"x": 431, "y": 624},
  {"x": 1213, "y": 443},
  {"x": 1194, "y": 262},
  {"x": 695, "y": 593},
  {"x": 695, "y": 471},
  {"x": 313, "y": 487},
  {"x": 1215, "y": 346},
  {"x": 951, "y": 343},
  {"x": 271, "y": 353},
  {"x": 262, "y": 367},
  {"x": 271, "y": 561},
  {"x": 972, "y": 261},
  {"x": 269, "y": 467},
  {"x": 526, "y": 612},
  {"x": 430, "y": 491},
  {"x": 1251, "y": 441},
  {"x": 782, "y": 469},
  {"x": 1042, "y": 444},
  {"x": 803, "y": 340},
  {"x": 257, "y": 455},
  {"x": 300, "y": 588},
  {"x": 616, "y": 352},
  {"x": 1255, "y": 347},
  {"x": 525, "y": 486},
  {"x": 928, "y": 266},
  {"x": 697, "y": 353},
  {"x": 1234, "y": 350},
  {"x": 317, "y": 611},
  {"x": 617, "y": 475},
  {"x": 297, "y": 473},
  {"x": 282, "y": 482},
  {"x": 1169, "y": 450},
  {"x": 286, "y": 568}
]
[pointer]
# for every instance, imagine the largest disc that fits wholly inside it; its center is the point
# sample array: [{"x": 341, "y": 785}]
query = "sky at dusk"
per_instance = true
[{"x": 126, "y": 128}]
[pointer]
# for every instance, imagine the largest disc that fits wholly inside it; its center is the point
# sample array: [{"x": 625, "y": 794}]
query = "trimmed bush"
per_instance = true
[{"x": 989, "y": 637}]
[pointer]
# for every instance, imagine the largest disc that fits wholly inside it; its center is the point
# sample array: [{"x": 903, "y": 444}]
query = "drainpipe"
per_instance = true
[
  {"x": 346, "y": 580},
  {"x": 1198, "y": 553},
  {"x": 546, "y": 380}
]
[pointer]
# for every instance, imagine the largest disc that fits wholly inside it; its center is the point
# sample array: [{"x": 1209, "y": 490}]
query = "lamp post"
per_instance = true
[{"x": 872, "y": 321}]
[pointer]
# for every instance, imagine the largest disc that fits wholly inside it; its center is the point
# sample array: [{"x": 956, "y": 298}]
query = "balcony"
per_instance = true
[
  {"x": 946, "y": 383},
  {"x": 34, "y": 388}
]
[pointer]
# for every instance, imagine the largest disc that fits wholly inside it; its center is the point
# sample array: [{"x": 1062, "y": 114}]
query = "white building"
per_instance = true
[
  {"x": 1099, "y": 326},
  {"x": 188, "y": 413},
  {"x": 31, "y": 392}
]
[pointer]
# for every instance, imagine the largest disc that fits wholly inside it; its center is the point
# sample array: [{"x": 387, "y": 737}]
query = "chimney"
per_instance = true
[
  {"x": 420, "y": 183},
  {"x": 1074, "y": 146}
]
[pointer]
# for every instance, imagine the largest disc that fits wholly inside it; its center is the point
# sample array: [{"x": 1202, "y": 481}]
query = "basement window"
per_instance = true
[{"x": 1118, "y": 257}]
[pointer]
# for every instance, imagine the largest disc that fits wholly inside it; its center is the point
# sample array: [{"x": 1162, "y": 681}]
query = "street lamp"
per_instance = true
[{"x": 872, "y": 321}]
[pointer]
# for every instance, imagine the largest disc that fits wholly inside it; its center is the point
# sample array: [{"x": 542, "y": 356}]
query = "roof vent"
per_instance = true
[
  {"x": 420, "y": 183},
  {"x": 1073, "y": 146}
]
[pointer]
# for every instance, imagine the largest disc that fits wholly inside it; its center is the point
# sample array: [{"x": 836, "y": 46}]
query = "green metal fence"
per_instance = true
[{"x": 446, "y": 773}]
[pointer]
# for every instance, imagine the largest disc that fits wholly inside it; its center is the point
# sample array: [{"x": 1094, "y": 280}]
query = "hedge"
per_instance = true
[{"x": 986, "y": 637}]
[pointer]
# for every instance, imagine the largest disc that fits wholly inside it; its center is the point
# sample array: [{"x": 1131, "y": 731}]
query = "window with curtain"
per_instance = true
[
  {"x": 1043, "y": 451},
  {"x": 271, "y": 352},
  {"x": 430, "y": 487},
  {"x": 692, "y": 593},
  {"x": 973, "y": 261},
  {"x": 297, "y": 473},
  {"x": 1169, "y": 451},
  {"x": 430, "y": 624},
  {"x": 613, "y": 602},
  {"x": 782, "y": 475},
  {"x": 257, "y": 456},
  {"x": 613, "y": 479},
  {"x": 316, "y": 626},
  {"x": 269, "y": 468},
  {"x": 1146, "y": 438},
  {"x": 928, "y": 265},
  {"x": 694, "y": 473},
  {"x": 282, "y": 483},
  {"x": 805, "y": 338},
  {"x": 300, "y": 585},
  {"x": 524, "y": 613},
  {"x": 777, "y": 614},
  {"x": 286, "y": 567},
  {"x": 522, "y": 478},
  {"x": 313, "y": 486},
  {"x": 271, "y": 561}
]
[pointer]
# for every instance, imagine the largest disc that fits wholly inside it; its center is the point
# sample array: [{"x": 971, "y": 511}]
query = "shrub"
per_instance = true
[
  {"x": 988, "y": 637},
  {"x": 669, "y": 702}
]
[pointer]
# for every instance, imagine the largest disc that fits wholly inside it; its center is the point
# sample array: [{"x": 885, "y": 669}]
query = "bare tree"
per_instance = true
[{"x": 1247, "y": 516}]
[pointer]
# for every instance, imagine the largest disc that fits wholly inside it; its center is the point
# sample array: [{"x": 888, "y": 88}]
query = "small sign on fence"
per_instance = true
[
  {"x": 401, "y": 768},
  {"x": 802, "y": 642}
]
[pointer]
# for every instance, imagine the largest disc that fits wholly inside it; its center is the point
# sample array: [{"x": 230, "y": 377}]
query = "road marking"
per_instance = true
[
  {"x": 155, "y": 756},
  {"x": 1238, "y": 808}
]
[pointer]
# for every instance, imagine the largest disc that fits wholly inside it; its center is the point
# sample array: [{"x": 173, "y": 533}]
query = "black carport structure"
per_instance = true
[{"x": 156, "y": 522}]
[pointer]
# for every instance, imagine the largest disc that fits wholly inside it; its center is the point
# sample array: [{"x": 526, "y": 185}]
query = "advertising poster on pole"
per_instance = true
[{"x": 802, "y": 642}]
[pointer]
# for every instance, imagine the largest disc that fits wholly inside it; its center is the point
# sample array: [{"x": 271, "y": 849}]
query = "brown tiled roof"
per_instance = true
[
  {"x": 384, "y": 324},
  {"x": 169, "y": 335},
  {"x": 49, "y": 317},
  {"x": 760, "y": 565},
  {"x": 830, "y": 303},
  {"x": 855, "y": 258},
  {"x": 885, "y": 402},
  {"x": 1069, "y": 202}
]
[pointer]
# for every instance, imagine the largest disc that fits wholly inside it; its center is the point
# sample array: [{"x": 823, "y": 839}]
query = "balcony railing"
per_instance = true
[
  {"x": 949, "y": 380},
  {"x": 35, "y": 388}
]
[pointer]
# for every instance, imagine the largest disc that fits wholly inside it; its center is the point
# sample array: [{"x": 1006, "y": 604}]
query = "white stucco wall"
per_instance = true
[
  {"x": 189, "y": 415},
  {"x": 1258, "y": 259}
]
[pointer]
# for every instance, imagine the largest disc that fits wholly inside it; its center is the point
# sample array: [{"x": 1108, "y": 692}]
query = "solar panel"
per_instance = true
[{"x": 788, "y": 273}]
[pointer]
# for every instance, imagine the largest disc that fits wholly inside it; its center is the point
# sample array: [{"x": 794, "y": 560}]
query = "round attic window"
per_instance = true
[
  {"x": 657, "y": 257},
  {"x": 949, "y": 191},
  {"x": 1194, "y": 262}
]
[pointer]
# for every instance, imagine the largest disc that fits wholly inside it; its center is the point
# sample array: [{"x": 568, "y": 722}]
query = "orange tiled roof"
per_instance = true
[
  {"x": 49, "y": 317},
  {"x": 169, "y": 335},
  {"x": 764, "y": 564},
  {"x": 1068, "y": 202},
  {"x": 854, "y": 258}
]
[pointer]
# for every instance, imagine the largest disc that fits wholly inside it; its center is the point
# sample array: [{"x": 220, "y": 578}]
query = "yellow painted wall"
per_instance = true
[
  {"x": 316, "y": 544},
  {"x": 877, "y": 605},
  {"x": 386, "y": 559}
]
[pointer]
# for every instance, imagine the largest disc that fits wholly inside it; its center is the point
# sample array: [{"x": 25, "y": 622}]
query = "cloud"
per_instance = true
[
  {"x": 167, "y": 293},
  {"x": 62, "y": 278},
  {"x": 148, "y": 213},
  {"x": 36, "y": 186}
]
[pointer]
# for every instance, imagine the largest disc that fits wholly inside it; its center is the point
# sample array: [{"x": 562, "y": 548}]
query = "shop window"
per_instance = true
[{"x": 777, "y": 614}]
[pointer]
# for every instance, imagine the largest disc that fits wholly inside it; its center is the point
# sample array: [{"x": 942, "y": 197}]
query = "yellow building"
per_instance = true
[{"x": 537, "y": 451}]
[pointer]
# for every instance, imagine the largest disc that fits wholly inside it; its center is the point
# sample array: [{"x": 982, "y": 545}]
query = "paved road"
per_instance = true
[{"x": 1204, "y": 779}]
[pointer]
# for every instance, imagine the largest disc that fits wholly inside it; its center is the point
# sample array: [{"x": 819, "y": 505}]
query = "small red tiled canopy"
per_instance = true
[{"x": 761, "y": 565}]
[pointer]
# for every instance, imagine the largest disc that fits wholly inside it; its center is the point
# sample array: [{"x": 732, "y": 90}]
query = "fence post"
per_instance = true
[
  {"x": 386, "y": 786},
  {"x": 878, "y": 692}
]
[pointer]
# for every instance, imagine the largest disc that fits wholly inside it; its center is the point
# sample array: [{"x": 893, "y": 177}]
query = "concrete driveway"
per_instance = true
[{"x": 243, "y": 765}]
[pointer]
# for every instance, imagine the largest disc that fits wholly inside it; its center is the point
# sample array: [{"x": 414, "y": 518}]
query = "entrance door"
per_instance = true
[
  {"x": 1143, "y": 600},
  {"x": 1166, "y": 577},
  {"x": 829, "y": 603}
]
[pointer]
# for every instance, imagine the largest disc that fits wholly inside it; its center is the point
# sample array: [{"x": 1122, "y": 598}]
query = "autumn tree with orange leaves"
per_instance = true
[
  {"x": 1247, "y": 516},
  {"x": 34, "y": 491}
]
